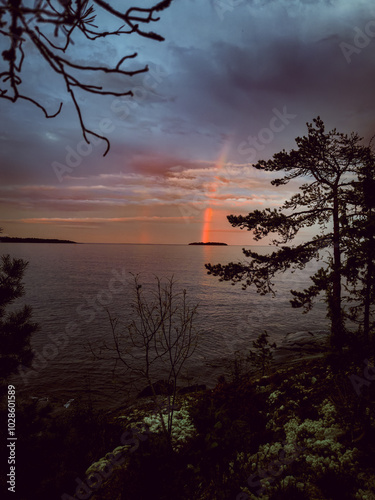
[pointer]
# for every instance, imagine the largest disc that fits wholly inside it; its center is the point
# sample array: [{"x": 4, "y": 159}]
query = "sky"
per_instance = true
[{"x": 234, "y": 82}]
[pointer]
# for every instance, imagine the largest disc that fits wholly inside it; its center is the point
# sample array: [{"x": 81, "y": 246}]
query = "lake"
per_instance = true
[{"x": 72, "y": 288}]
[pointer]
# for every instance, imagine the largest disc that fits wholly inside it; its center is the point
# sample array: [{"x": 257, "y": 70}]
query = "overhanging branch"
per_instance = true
[{"x": 20, "y": 22}]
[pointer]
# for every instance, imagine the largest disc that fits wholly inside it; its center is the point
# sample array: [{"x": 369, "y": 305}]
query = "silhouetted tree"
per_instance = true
[
  {"x": 15, "y": 326},
  {"x": 262, "y": 355},
  {"x": 160, "y": 339},
  {"x": 327, "y": 163},
  {"x": 359, "y": 266},
  {"x": 50, "y": 26}
]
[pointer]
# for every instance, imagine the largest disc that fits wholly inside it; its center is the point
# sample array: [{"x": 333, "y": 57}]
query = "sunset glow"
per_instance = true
[{"x": 214, "y": 102}]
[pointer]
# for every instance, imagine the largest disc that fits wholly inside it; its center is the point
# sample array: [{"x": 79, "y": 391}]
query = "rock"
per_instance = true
[
  {"x": 297, "y": 345},
  {"x": 307, "y": 341},
  {"x": 192, "y": 388},
  {"x": 160, "y": 387}
]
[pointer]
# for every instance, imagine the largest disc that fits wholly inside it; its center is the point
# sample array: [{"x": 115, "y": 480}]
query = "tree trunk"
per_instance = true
[
  {"x": 369, "y": 278},
  {"x": 337, "y": 339}
]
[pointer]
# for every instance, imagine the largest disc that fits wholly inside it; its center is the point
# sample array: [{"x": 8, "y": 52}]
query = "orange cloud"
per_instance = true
[{"x": 54, "y": 220}]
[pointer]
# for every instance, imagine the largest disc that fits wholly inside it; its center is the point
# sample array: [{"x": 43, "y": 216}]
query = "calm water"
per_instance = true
[{"x": 76, "y": 283}]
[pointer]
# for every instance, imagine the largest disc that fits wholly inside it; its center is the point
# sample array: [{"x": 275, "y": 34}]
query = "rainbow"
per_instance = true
[{"x": 209, "y": 211}]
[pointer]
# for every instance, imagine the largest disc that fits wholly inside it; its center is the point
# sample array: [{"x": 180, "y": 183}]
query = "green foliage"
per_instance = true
[
  {"x": 55, "y": 446},
  {"x": 262, "y": 357},
  {"x": 238, "y": 366},
  {"x": 338, "y": 486},
  {"x": 359, "y": 268},
  {"x": 155, "y": 468},
  {"x": 16, "y": 327},
  {"x": 291, "y": 492},
  {"x": 304, "y": 416},
  {"x": 228, "y": 419}
]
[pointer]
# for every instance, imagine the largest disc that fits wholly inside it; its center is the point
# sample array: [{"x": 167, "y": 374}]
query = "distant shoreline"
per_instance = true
[
  {"x": 8, "y": 239},
  {"x": 209, "y": 243}
]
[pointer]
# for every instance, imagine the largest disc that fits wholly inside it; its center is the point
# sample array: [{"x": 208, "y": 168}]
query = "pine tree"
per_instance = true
[
  {"x": 359, "y": 267},
  {"x": 262, "y": 355},
  {"x": 327, "y": 163},
  {"x": 16, "y": 327}
]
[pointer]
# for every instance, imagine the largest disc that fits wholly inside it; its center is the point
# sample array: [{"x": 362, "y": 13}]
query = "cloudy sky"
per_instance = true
[{"x": 234, "y": 81}]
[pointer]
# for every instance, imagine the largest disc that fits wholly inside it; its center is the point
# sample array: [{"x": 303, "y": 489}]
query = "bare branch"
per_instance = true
[
  {"x": 20, "y": 22},
  {"x": 159, "y": 339}
]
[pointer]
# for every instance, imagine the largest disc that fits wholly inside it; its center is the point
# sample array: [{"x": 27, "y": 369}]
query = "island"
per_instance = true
[
  {"x": 9, "y": 239},
  {"x": 209, "y": 243}
]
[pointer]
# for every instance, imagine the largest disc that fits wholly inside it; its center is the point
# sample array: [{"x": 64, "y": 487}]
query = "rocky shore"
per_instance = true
[{"x": 301, "y": 345}]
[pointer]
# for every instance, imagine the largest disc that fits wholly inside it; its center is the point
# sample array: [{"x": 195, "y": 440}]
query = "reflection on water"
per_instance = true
[{"x": 73, "y": 287}]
